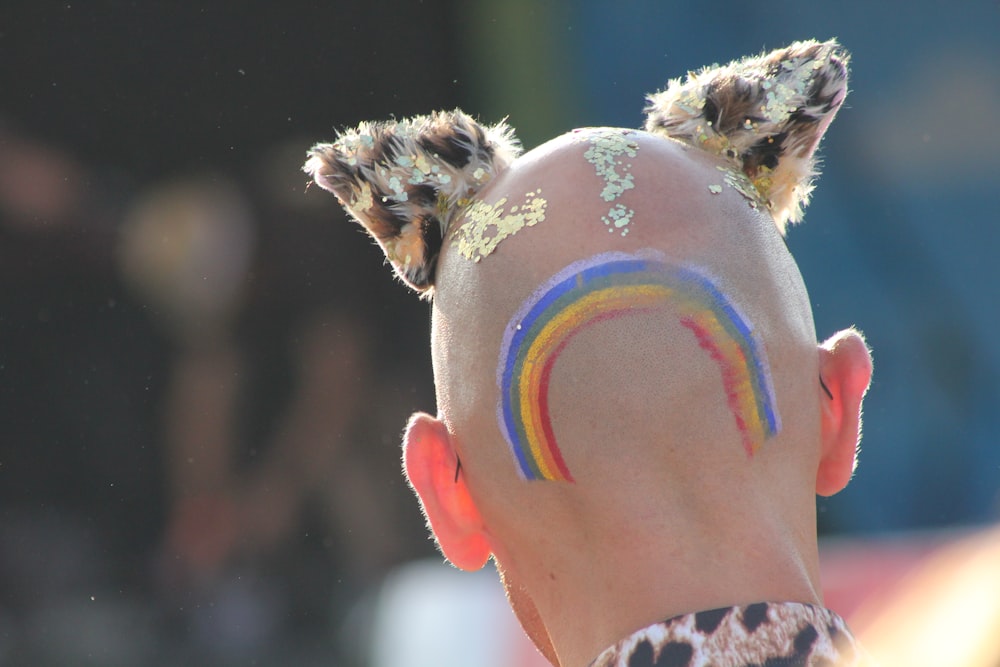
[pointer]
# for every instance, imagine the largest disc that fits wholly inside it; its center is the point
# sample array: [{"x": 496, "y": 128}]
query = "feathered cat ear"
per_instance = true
[
  {"x": 405, "y": 181},
  {"x": 766, "y": 114}
]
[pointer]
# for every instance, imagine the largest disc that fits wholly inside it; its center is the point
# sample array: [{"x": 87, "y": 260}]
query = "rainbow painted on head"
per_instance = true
[{"x": 608, "y": 286}]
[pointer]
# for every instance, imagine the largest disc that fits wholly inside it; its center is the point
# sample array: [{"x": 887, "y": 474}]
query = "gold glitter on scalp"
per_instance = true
[
  {"x": 740, "y": 182},
  {"x": 487, "y": 225},
  {"x": 608, "y": 151}
]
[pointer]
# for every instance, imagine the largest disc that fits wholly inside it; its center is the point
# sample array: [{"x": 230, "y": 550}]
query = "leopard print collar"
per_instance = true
[{"x": 766, "y": 634}]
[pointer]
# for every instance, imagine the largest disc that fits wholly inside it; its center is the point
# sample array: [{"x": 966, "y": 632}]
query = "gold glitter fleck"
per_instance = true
[
  {"x": 399, "y": 194},
  {"x": 715, "y": 189},
  {"x": 763, "y": 183},
  {"x": 691, "y": 102},
  {"x": 739, "y": 181},
  {"x": 421, "y": 164},
  {"x": 607, "y": 153},
  {"x": 781, "y": 95},
  {"x": 487, "y": 225},
  {"x": 363, "y": 200},
  {"x": 618, "y": 218}
]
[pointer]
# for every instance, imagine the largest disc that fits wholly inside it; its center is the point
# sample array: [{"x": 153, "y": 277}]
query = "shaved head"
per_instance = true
[
  {"x": 641, "y": 371},
  {"x": 634, "y": 415},
  {"x": 638, "y": 405}
]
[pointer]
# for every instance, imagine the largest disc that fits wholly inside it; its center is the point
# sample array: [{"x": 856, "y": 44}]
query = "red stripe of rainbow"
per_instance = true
[{"x": 605, "y": 287}]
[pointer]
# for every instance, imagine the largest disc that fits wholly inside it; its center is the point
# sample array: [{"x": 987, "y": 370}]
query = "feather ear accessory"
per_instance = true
[
  {"x": 765, "y": 114},
  {"x": 404, "y": 181}
]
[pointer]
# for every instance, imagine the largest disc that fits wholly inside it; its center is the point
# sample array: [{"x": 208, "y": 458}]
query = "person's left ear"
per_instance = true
[
  {"x": 845, "y": 371},
  {"x": 432, "y": 467}
]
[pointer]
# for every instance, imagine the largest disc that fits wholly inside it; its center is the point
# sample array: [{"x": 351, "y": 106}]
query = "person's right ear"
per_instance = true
[
  {"x": 432, "y": 467},
  {"x": 845, "y": 371}
]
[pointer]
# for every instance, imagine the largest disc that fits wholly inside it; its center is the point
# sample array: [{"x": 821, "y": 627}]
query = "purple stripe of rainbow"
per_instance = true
[{"x": 608, "y": 286}]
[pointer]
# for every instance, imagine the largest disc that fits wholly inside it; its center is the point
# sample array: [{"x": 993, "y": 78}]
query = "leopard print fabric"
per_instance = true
[{"x": 764, "y": 635}]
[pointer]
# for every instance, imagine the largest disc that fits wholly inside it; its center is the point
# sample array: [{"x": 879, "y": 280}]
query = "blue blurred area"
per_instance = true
[{"x": 902, "y": 235}]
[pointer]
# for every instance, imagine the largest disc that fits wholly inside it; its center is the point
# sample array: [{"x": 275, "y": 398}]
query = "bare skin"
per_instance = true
[{"x": 667, "y": 514}]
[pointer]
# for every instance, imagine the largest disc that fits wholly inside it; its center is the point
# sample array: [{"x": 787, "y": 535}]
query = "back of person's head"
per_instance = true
[{"x": 624, "y": 353}]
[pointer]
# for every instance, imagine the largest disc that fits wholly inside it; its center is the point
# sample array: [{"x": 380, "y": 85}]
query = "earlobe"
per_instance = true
[
  {"x": 430, "y": 462},
  {"x": 845, "y": 373}
]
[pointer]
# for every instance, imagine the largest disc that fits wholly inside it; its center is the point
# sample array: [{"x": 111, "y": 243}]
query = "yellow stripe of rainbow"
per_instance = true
[{"x": 604, "y": 287}]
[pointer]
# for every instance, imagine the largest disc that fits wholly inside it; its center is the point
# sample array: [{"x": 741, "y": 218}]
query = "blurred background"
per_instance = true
[{"x": 204, "y": 368}]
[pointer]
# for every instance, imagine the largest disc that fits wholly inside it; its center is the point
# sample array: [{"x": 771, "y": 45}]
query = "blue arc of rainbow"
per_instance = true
[{"x": 605, "y": 287}]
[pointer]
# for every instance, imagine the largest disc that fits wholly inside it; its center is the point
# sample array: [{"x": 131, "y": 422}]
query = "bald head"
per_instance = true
[
  {"x": 638, "y": 362},
  {"x": 625, "y": 359},
  {"x": 649, "y": 383}
]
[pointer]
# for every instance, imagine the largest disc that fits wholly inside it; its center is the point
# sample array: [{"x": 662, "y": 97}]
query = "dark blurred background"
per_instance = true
[{"x": 204, "y": 368}]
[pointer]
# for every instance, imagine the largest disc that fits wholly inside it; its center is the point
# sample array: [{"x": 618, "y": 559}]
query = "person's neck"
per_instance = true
[{"x": 590, "y": 599}]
